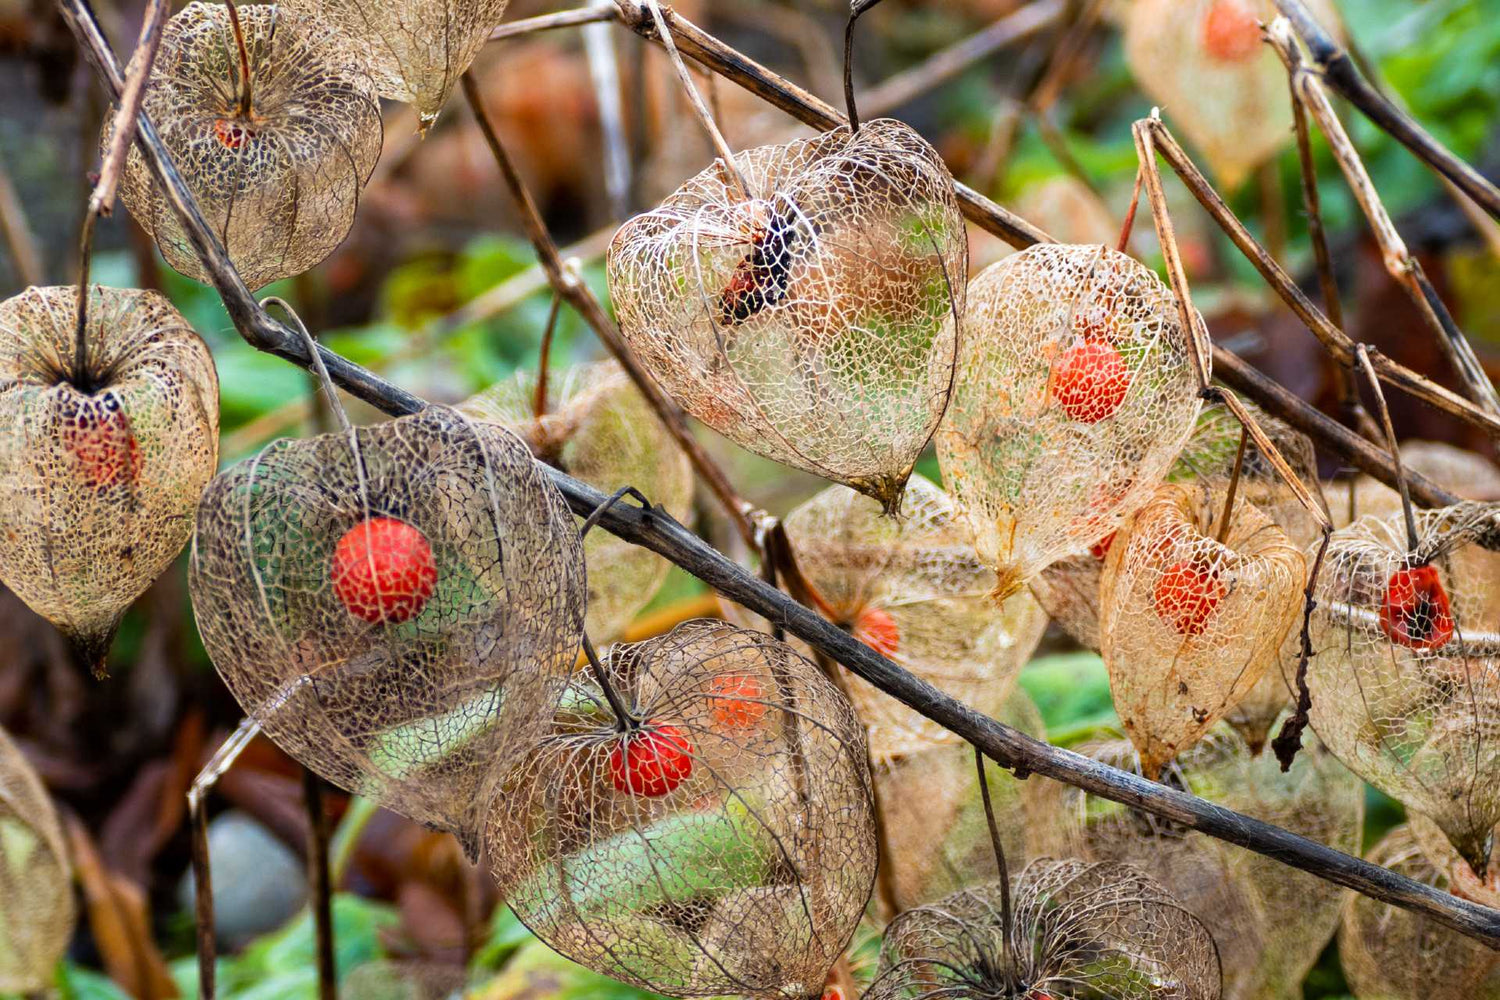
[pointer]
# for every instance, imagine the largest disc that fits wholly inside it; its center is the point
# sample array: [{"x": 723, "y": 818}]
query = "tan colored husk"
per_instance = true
[
  {"x": 1464, "y": 473},
  {"x": 97, "y": 488},
  {"x": 1171, "y": 686},
  {"x": 1271, "y": 922},
  {"x": 1392, "y": 954},
  {"x": 1419, "y": 724},
  {"x": 1236, "y": 111},
  {"x": 599, "y": 428},
  {"x": 281, "y": 191},
  {"x": 36, "y": 882},
  {"x": 416, "y": 50},
  {"x": 416, "y": 714},
  {"x": 1036, "y": 484},
  {"x": 1108, "y": 927},
  {"x": 920, "y": 569},
  {"x": 748, "y": 877},
  {"x": 830, "y": 346}
]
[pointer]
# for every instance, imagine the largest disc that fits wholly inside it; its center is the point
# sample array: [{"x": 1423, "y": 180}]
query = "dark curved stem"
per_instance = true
[
  {"x": 239, "y": 40},
  {"x": 623, "y": 718},
  {"x": 1234, "y": 482},
  {"x": 318, "y": 882},
  {"x": 1289, "y": 741},
  {"x": 1007, "y": 921},
  {"x": 856, "y": 8},
  {"x": 544, "y": 356},
  {"x": 81, "y": 378}
]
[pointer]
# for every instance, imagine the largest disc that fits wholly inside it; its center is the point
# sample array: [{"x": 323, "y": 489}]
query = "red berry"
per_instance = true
[
  {"x": 1415, "y": 612},
  {"x": 383, "y": 570},
  {"x": 1089, "y": 381},
  {"x": 651, "y": 761},
  {"x": 1100, "y": 549},
  {"x": 232, "y": 133},
  {"x": 1230, "y": 31},
  {"x": 878, "y": 630},
  {"x": 737, "y": 700},
  {"x": 1186, "y": 596},
  {"x": 102, "y": 442}
]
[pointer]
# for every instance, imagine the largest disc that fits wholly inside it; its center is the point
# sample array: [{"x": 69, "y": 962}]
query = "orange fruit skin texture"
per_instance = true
[
  {"x": 878, "y": 630},
  {"x": 738, "y": 701},
  {"x": 1415, "y": 611},
  {"x": 1186, "y": 597},
  {"x": 383, "y": 570},
  {"x": 651, "y": 762},
  {"x": 1231, "y": 32},
  {"x": 1090, "y": 381},
  {"x": 106, "y": 449},
  {"x": 1100, "y": 549}
]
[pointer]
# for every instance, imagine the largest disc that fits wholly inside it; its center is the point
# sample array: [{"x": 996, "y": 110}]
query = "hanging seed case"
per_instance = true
[
  {"x": 1271, "y": 922},
  {"x": 599, "y": 428},
  {"x": 1390, "y": 953},
  {"x": 1204, "y": 62},
  {"x": 277, "y": 166},
  {"x": 1191, "y": 624},
  {"x": 913, "y": 589},
  {"x": 398, "y": 605},
  {"x": 1105, "y": 931},
  {"x": 1076, "y": 393},
  {"x": 815, "y": 321},
  {"x": 1405, "y": 684},
  {"x": 723, "y": 845},
  {"x": 36, "y": 882},
  {"x": 99, "y": 472},
  {"x": 936, "y": 836}
]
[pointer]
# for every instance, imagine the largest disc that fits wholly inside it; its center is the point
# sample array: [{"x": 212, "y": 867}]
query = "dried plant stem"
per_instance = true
[
  {"x": 80, "y": 373},
  {"x": 560, "y": 19},
  {"x": 318, "y": 882},
  {"x": 856, "y": 8},
  {"x": 18, "y": 236},
  {"x": 1390, "y": 439},
  {"x": 577, "y": 294},
  {"x": 137, "y": 72},
  {"x": 726, "y": 155},
  {"x": 1007, "y": 920},
  {"x": 1135, "y": 203},
  {"x": 1289, "y": 741},
  {"x": 239, "y": 40},
  {"x": 544, "y": 357},
  {"x": 1234, "y": 483}
]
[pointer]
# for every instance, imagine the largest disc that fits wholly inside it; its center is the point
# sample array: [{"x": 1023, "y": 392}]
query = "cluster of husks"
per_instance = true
[{"x": 36, "y": 882}]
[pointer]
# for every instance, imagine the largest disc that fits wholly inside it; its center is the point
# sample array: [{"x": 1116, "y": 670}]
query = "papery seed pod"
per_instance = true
[
  {"x": 1404, "y": 680},
  {"x": 416, "y": 50},
  {"x": 599, "y": 428},
  {"x": 1392, "y": 954},
  {"x": 913, "y": 589},
  {"x": 814, "y": 323},
  {"x": 1190, "y": 624},
  {"x": 1270, "y": 922},
  {"x": 1204, "y": 62},
  {"x": 277, "y": 166},
  {"x": 723, "y": 842},
  {"x": 936, "y": 836},
  {"x": 398, "y": 605},
  {"x": 1105, "y": 931},
  {"x": 99, "y": 471},
  {"x": 36, "y": 881},
  {"x": 1464, "y": 473},
  {"x": 1075, "y": 394}
]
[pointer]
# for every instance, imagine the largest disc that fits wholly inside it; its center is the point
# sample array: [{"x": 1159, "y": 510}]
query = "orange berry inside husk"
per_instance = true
[
  {"x": 1090, "y": 381},
  {"x": 651, "y": 761},
  {"x": 878, "y": 630},
  {"x": 1100, "y": 549},
  {"x": 1231, "y": 31},
  {"x": 1415, "y": 611},
  {"x": 100, "y": 439},
  {"x": 383, "y": 570},
  {"x": 1186, "y": 596},
  {"x": 737, "y": 701},
  {"x": 232, "y": 133}
]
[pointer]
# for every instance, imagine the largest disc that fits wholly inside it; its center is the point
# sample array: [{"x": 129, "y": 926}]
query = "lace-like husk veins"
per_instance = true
[
  {"x": 1388, "y": 953},
  {"x": 416, "y": 50},
  {"x": 815, "y": 324},
  {"x": 1270, "y": 922},
  {"x": 280, "y": 187},
  {"x": 936, "y": 835},
  {"x": 97, "y": 489},
  {"x": 1036, "y": 484},
  {"x": 748, "y": 874},
  {"x": 1189, "y": 624},
  {"x": 599, "y": 428},
  {"x": 415, "y": 711},
  {"x": 919, "y": 577},
  {"x": 1105, "y": 931},
  {"x": 1227, "y": 94},
  {"x": 36, "y": 884},
  {"x": 1418, "y": 723}
]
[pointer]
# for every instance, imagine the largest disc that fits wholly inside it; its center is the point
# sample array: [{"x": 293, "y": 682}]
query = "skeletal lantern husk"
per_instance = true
[
  {"x": 913, "y": 588},
  {"x": 97, "y": 488},
  {"x": 36, "y": 883},
  {"x": 1108, "y": 927},
  {"x": 416, "y": 707},
  {"x": 1390, "y": 954},
  {"x": 1270, "y": 922},
  {"x": 744, "y": 874},
  {"x": 1204, "y": 62},
  {"x": 1191, "y": 624},
  {"x": 1409, "y": 698},
  {"x": 815, "y": 322},
  {"x": 1043, "y": 476},
  {"x": 416, "y": 50},
  {"x": 278, "y": 185},
  {"x": 937, "y": 839},
  {"x": 599, "y": 428}
]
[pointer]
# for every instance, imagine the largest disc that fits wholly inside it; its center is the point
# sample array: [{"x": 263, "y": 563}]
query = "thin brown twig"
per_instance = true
[
  {"x": 1234, "y": 484},
  {"x": 1288, "y": 742},
  {"x": 544, "y": 357},
  {"x": 1390, "y": 440},
  {"x": 19, "y": 238},
  {"x": 122, "y": 133},
  {"x": 548, "y": 22},
  {"x": 318, "y": 883}
]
